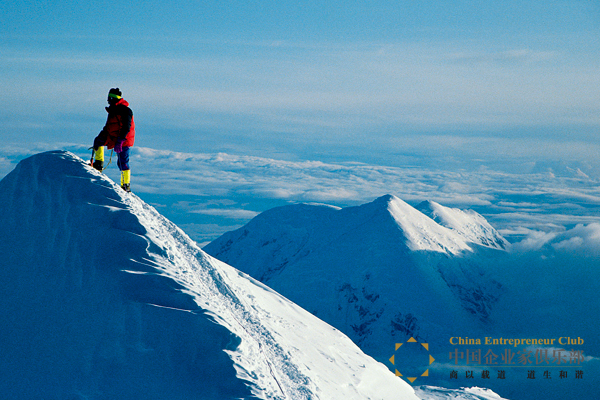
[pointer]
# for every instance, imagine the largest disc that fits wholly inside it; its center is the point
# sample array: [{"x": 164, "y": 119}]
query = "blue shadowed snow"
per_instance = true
[
  {"x": 385, "y": 271},
  {"x": 75, "y": 324},
  {"x": 101, "y": 297}
]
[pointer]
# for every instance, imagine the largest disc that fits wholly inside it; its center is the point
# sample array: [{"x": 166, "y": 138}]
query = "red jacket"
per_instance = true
[{"x": 119, "y": 125}]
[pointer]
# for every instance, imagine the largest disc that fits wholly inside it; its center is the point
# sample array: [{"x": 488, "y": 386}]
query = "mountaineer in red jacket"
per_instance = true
[{"x": 118, "y": 133}]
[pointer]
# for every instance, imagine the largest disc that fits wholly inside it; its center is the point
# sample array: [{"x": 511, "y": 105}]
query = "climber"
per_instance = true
[{"x": 117, "y": 134}]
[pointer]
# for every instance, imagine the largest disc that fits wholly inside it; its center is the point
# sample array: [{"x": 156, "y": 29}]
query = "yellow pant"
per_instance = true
[
  {"x": 125, "y": 175},
  {"x": 99, "y": 154}
]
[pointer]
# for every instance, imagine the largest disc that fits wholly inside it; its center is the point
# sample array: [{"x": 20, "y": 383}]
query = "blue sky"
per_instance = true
[{"x": 461, "y": 82}]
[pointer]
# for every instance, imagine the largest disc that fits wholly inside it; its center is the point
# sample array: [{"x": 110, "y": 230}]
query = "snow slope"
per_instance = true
[
  {"x": 467, "y": 223},
  {"x": 381, "y": 272},
  {"x": 101, "y": 297},
  {"x": 384, "y": 272},
  {"x": 438, "y": 393},
  {"x": 422, "y": 233}
]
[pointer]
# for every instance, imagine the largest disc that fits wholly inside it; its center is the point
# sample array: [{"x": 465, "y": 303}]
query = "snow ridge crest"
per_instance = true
[
  {"x": 127, "y": 303},
  {"x": 432, "y": 227}
]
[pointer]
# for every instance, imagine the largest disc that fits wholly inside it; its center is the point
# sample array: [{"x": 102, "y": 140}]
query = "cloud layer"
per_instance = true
[{"x": 219, "y": 189}]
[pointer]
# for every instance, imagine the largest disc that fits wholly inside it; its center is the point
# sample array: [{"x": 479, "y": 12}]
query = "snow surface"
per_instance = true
[
  {"x": 384, "y": 272},
  {"x": 381, "y": 272},
  {"x": 102, "y": 297},
  {"x": 467, "y": 223},
  {"x": 423, "y": 233},
  {"x": 438, "y": 393}
]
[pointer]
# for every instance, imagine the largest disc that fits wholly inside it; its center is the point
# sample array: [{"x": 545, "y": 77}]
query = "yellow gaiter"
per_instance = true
[
  {"x": 125, "y": 177},
  {"x": 99, "y": 154}
]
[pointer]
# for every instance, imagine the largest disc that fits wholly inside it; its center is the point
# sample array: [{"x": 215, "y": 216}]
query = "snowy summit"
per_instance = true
[
  {"x": 381, "y": 272},
  {"x": 102, "y": 297},
  {"x": 466, "y": 223}
]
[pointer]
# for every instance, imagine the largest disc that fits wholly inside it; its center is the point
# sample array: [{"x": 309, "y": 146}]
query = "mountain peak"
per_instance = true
[
  {"x": 95, "y": 284},
  {"x": 432, "y": 227},
  {"x": 467, "y": 223},
  {"x": 420, "y": 231},
  {"x": 366, "y": 268},
  {"x": 385, "y": 199}
]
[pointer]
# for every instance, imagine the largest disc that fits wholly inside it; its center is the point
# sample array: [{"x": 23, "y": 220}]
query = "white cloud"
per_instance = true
[
  {"x": 533, "y": 209},
  {"x": 534, "y": 240},
  {"x": 227, "y": 213},
  {"x": 574, "y": 243},
  {"x": 526, "y": 199},
  {"x": 580, "y": 238}
]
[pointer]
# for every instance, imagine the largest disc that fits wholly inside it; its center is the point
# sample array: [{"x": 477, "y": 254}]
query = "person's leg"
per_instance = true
[
  {"x": 126, "y": 180},
  {"x": 99, "y": 158},
  {"x": 123, "y": 163}
]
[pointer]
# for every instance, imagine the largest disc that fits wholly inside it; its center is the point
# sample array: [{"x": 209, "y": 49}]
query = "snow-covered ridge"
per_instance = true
[
  {"x": 438, "y": 393},
  {"x": 422, "y": 232},
  {"x": 467, "y": 223},
  {"x": 102, "y": 297},
  {"x": 367, "y": 269},
  {"x": 432, "y": 227}
]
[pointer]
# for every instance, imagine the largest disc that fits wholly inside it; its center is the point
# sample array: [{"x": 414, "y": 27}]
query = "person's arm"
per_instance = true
[
  {"x": 100, "y": 140},
  {"x": 126, "y": 117}
]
